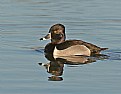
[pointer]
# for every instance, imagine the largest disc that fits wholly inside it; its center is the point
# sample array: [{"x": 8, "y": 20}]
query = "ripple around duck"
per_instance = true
[
  {"x": 114, "y": 54},
  {"x": 109, "y": 54},
  {"x": 40, "y": 50}
]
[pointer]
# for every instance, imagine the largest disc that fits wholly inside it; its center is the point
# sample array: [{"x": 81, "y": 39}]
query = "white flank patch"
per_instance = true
[{"x": 73, "y": 50}]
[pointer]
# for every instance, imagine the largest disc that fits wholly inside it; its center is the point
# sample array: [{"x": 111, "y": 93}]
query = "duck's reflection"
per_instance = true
[
  {"x": 56, "y": 65},
  {"x": 56, "y": 69}
]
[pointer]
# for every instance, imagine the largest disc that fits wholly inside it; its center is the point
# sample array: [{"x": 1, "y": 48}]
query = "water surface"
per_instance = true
[{"x": 23, "y": 22}]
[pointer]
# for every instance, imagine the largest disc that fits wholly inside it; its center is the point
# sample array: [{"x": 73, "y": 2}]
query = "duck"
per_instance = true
[{"x": 61, "y": 47}]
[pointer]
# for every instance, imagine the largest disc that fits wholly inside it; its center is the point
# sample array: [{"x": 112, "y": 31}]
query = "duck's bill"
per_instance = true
[{"x": 48, "y": 36}]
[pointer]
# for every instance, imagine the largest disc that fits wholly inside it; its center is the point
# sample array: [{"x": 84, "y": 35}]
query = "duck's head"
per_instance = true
[{"x": 56, "y": 34}]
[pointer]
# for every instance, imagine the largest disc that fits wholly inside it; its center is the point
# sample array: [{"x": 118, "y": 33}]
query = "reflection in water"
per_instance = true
[{"x": 56, "y": 65}]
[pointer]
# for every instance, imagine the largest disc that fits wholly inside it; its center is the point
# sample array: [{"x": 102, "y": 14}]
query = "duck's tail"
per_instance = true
[{"x": 103, "y": 49}]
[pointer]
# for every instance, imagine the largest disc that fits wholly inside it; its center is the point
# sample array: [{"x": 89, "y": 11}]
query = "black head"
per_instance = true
[{"x": 56, "y": 34}]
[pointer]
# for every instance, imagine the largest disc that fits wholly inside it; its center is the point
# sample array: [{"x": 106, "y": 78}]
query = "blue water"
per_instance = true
[{"x": 23, "y": 22}]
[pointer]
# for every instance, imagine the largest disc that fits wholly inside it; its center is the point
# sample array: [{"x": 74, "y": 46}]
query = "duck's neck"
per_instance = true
[{"x": 56, "y": 41}]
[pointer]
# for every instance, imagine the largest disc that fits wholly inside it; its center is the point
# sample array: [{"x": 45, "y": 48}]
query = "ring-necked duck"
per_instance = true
[{"x": 61, "y": 47}]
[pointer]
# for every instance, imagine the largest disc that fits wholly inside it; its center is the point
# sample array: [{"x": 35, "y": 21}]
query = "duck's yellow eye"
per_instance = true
[{"x": 58, "y": 31}]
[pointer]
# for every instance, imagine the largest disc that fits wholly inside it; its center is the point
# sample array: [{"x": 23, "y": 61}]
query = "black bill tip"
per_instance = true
[{"x": 41, "y": 38}]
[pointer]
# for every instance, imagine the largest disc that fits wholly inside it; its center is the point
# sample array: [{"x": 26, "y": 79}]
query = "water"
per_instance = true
[{"x": 23, "y": 22}]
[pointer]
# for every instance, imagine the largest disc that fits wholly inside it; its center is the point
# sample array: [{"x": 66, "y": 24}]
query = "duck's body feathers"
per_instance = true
[{"x": 69, "y": 43}]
